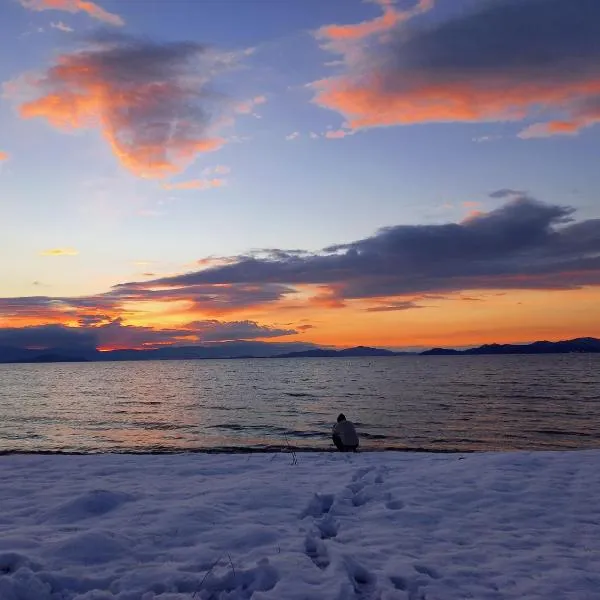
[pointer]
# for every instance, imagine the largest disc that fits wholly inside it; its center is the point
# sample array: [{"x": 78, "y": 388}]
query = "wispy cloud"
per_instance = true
[
  {"x": 248, "y": 106},
  {"x": 74, "y": 6},
  {"x": 395, "y": 306},
  {"x": 143, "y": 263},
  {"x": 195, "y": 184},
  {"x": 292, "y": 136},
  {"x": 217, "y": 170},
  {"x": 503, "y": 61},
  {"x": 59, "y": 252},
  {"x": 506, "y": 193},
  {"x": 487, "y": 138},
  {"x": 151, "y": 101},
  {"x": 338, "y": 134},
  {"x": 61, "y": 26}
]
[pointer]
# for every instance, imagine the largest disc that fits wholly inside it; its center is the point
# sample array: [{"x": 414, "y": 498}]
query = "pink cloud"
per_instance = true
[
  {"x": 390, "y": 18},
  {"x": 337, "y": 134},
  {"x": 195, "y": 184},
  {"x": 248, "y": 106},
  {"x": 75, "y": 6},
  {"x": 151, "y": 101},
  {"x": 479, "y": 66}
]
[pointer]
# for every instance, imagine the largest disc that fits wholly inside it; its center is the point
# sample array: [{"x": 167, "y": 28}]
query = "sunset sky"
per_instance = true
[{"x": 394, "y": 173}]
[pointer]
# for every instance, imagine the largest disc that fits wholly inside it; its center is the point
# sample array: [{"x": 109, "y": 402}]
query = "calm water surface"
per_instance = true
[{"x": 432, "y": 403}]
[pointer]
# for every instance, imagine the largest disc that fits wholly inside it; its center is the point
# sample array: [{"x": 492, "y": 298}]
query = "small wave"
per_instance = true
[
  {"x": 160, "y": 426},
  {"x": 307, "y": 434},
  {"x": 270, "y": 430},
  {"x": 375, "y": 436},
  {"x": 560, "y": 432},
  {"x": 298, "y": 394},
  {"x": 458, "y": 441}
]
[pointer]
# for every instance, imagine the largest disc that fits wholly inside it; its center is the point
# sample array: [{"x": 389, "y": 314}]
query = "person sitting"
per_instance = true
[{"x": 344, "y": 435}]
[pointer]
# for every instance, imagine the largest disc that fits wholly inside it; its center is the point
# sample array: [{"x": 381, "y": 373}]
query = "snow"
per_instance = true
[{"x": 385, "y": 526}]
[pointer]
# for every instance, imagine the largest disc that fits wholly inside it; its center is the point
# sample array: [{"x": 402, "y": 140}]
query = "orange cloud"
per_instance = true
[
  {"x": 327, "y": 296},
  {"x": 195, "y": 184},
  {"x": 386, "y": 21},
  {"x": 3, "y": 155},
  {"x": 483, "y": 66},
  {"x": 551, "y": 128},
  {"x": 212, "y": 261},
  {"x": 60, "y": 252},
  {"x": 390, "y": 18},
  {"x": 75, "y": 6},
  {"x": 367, "y": 103},
  {"x": 473, "y": 214},
  {"x": 149, "y": 101}
]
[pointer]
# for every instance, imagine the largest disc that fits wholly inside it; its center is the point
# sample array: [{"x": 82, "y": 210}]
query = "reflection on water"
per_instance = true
[{"x": 435, "y": 403}]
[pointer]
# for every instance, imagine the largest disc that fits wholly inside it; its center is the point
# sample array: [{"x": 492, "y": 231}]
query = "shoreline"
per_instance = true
[
  {"x": 288, "y": 449},
  {"x": 234, "y": 450}
]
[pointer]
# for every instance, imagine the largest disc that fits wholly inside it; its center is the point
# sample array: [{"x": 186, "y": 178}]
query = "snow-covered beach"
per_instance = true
[{"x": 342, "y": 527}]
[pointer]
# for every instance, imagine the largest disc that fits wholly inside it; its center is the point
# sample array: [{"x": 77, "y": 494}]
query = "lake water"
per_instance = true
[{"x": 431, "y": 403}]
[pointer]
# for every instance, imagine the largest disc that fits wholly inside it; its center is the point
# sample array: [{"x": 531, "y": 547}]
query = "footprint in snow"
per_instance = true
[
  {"x": 362, "y": 580},
  {"x": 328, "y": 527},
  {"x": 360, "y": 499},
  {"x": 393, "y": 504},
  {"x": 360, "y": 473},
  {"x": 399, "y": 582},
  {"x": 428, "y": 571},
  {"x": 319, "y": 505},
  {"x": 316, "y": 550}
]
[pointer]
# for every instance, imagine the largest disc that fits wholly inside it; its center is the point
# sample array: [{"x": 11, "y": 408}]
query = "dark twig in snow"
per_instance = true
[
  {"x": 232, "y": 567},
  {"x": 294, "y": 457},
  {"x": 206, "y": 575}
]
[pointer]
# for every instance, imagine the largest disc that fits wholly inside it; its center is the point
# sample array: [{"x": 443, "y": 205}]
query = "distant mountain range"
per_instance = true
[
  {"x": 208, "y": 351},
  {"x": 328, "y": 353},
  {"x": 585, "y": 345},
  {"x": 232, "y": 350}
]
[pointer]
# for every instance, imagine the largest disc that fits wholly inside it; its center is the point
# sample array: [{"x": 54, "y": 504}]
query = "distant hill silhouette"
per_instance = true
[
  {"x": 586, "y": 345},
  {"x": 217, "y": 350},
  {"x": 327, "y": 353},
  {"x": 238, "y": 350}
]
